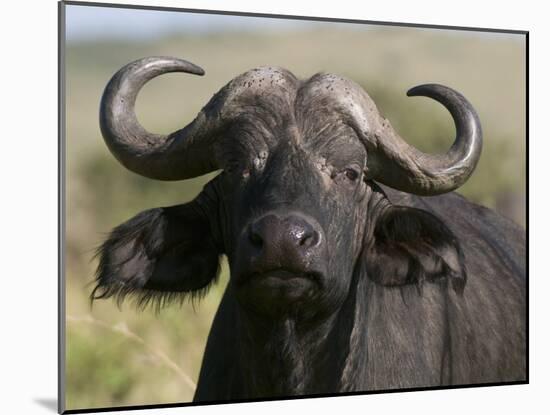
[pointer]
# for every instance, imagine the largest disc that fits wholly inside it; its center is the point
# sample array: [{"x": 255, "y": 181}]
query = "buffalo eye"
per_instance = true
[
  {"x": 351, "y": 174},
  {"x": 231, "y": 167},
  {"x": 237, "y": 168}
]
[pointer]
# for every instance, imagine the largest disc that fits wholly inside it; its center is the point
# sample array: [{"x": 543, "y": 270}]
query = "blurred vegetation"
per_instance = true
[{"x": 106, "y": 366}]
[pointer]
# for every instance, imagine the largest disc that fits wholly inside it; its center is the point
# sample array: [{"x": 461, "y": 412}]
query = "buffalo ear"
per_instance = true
[
  {"x": 159, "y": 255},
  {"x": 411, "y": 246}
]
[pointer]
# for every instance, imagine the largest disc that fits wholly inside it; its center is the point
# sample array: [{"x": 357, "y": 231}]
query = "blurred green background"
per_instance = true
[{"x": 119, "y": 356}]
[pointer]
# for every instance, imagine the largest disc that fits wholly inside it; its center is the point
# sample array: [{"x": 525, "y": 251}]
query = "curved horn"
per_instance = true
[
  {"x": 403, "y": 167},
  {"x": 180, "y": 155}
]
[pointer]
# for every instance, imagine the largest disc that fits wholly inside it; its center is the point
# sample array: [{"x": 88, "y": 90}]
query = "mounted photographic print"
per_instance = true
[{"x": 261, "y": 207}]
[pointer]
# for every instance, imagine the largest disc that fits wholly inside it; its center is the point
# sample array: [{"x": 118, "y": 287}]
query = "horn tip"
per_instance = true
[
  {"x": 189, "y": 67},
  {"x": 422, "y": 90},
  {"x": 199, "y": 71}
]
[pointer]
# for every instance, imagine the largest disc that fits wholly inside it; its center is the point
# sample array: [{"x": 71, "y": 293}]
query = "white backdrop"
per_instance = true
[{"x": 29, "y": 204}]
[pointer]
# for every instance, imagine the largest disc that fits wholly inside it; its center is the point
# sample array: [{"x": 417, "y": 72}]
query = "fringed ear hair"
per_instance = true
[{"x": 158, "y": 256}]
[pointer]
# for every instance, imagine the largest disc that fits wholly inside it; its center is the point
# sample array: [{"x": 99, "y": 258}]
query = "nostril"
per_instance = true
[
  {"x": 309, "y": 239},
  {"x": 255, "y": 239},
  {"x": 305, "y": 241}
]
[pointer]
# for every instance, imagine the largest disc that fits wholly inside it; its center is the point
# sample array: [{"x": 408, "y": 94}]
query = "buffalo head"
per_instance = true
[{"x": 296, "y": 208}]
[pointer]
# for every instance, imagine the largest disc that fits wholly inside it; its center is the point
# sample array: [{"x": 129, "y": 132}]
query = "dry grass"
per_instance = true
[{"x": 122, "y": 329}]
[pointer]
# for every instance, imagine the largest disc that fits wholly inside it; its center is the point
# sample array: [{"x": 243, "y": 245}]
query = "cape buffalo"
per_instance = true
[{"x": 343, "y": 275}]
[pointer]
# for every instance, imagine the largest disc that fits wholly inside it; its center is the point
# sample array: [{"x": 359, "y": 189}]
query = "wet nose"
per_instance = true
[{"x": 276, "y": 236}]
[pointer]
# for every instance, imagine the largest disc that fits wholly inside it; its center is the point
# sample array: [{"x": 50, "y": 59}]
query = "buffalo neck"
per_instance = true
[{"x": 287, "y": 356}]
